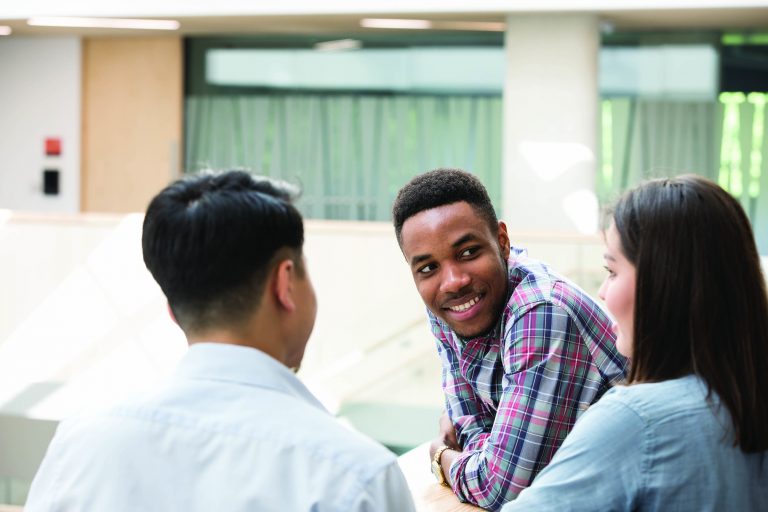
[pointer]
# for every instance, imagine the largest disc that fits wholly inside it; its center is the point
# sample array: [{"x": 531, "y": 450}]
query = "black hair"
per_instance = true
[
  {"x": 440, "y": 187},
  {"x": 700, "y": 296},
  {"x": 210, "y": 241}
]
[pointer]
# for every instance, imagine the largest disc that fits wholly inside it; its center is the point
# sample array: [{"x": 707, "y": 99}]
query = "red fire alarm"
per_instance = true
[{"x": 52, "y": 146}]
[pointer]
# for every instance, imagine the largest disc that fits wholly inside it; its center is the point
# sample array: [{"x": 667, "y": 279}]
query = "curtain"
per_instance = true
[{"x": 349, "y": 153}]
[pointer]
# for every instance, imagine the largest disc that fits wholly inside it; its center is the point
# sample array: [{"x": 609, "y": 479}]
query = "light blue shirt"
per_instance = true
[
  {"x": 233, "y": 430},
  {"x": 653, "y": 446}
]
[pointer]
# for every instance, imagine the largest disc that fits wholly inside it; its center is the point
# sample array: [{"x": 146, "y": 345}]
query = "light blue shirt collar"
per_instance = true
[{"x": 242, "y": 365}]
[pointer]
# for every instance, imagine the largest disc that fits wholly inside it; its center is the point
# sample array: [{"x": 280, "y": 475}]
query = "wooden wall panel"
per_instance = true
[{"x": 132, "y": 120}]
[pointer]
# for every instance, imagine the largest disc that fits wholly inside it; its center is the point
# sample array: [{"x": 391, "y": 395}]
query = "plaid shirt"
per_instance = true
[{"x": 514, "y": 394}]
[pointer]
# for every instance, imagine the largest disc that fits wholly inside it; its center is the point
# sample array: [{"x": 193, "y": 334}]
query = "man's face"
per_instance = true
[{"x": 459, "y": 266}]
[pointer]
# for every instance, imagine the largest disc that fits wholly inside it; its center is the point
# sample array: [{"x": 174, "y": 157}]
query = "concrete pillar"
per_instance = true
[{"x": 550, "y": 123}]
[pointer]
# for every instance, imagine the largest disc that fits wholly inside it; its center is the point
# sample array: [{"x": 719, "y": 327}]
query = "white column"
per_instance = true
[{"x": 550, "y": 123}]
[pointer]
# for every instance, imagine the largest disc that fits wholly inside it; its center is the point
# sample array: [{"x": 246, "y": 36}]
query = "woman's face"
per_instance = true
[{"x": 618, "y": 291}]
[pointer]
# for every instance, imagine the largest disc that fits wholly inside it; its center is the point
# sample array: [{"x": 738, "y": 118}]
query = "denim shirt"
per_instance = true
[{"x": 657, "y": 446}]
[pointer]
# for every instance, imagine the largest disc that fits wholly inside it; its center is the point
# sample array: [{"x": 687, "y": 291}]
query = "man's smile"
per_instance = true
[
  {"x": 464, "y": 308},
  {"x": 465, "y": 305}
]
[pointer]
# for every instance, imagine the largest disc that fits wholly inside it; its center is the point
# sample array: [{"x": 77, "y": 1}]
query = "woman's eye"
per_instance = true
[{"x": 611, "y": 273}]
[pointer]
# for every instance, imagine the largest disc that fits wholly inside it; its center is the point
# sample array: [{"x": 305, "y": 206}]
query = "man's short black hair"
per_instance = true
[
  {"x": 440, "y": 187},
  {"x": 210, "y": 241}
]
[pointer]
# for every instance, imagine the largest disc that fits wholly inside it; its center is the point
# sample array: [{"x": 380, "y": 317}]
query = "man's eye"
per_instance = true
[
  {"x": 426, "y": 269},
  {"x": 469, "y": 251}
]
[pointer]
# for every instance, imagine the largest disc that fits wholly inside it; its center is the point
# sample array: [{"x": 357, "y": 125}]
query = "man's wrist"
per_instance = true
[{"x": 437, "y": 466}]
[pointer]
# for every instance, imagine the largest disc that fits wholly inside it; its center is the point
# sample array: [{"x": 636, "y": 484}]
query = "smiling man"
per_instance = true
[{"x": 524, "y": 351}]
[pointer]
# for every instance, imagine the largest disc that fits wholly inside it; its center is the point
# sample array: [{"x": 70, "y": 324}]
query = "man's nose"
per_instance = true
[{"x": 454, "y": 279}]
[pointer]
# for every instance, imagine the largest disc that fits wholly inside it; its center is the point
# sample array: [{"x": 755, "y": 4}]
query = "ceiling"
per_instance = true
[{"x": 744, "y": 19}]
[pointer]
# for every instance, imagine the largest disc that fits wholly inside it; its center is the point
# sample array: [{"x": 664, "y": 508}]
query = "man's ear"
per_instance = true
[
  {"x": 170, "y": 313},
  {"x": 282, "y": 284},
  {"x": 503, "y": 240}
]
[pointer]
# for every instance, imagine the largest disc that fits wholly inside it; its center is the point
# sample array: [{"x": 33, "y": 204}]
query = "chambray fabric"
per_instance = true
[
  {"x": 514, "y": 394},
  {"x": 660, "y": 446},
  {"x": 233, "y": 430}
]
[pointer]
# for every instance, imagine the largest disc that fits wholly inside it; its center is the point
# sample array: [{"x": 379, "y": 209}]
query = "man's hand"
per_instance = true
[
  {"x": 448, "y": 433},
  {"x": 447, "y": 438}
]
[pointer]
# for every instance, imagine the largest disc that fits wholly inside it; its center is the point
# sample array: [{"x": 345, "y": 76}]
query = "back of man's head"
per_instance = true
[
  {"x": 440, "y": 187},
  {"x": 211, "y": 240}
]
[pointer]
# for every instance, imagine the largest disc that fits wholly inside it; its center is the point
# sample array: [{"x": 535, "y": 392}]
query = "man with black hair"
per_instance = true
[
  {"x": 233, "y": 429},
  {"x": 523, "y": 350}
]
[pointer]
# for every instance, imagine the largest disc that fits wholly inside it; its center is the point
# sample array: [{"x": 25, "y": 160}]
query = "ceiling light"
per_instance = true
[
  {"x": 104, "y": 23},
  {"x": 482, "y": 26},
  {"x": 338, "y": 44},
  {"x": 5, "y": 30},
  {"x": 395, "y": 23}
]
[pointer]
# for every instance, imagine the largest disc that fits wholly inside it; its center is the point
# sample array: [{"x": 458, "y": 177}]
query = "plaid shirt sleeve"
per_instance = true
[
  {"x": 545, "y": 365},
  {"x": 471, "y": 418}
]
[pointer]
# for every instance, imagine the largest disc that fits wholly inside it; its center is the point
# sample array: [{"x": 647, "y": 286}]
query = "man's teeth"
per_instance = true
[{"x": 465, "y": 306}]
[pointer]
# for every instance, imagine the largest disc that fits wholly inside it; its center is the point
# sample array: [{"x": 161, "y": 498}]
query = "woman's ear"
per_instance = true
[{"x": 282, "y": 284}]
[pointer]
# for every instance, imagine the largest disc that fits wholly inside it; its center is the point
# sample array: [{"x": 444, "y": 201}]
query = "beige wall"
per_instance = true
[{"x": 132, "y": 120}]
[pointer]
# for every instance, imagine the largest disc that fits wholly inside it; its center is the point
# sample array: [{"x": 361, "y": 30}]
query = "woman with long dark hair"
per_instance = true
[{"x": 689, "y": 431}]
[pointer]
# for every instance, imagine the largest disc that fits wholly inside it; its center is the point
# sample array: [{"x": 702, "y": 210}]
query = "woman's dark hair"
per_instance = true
[{"x": 700, "y": 298}]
